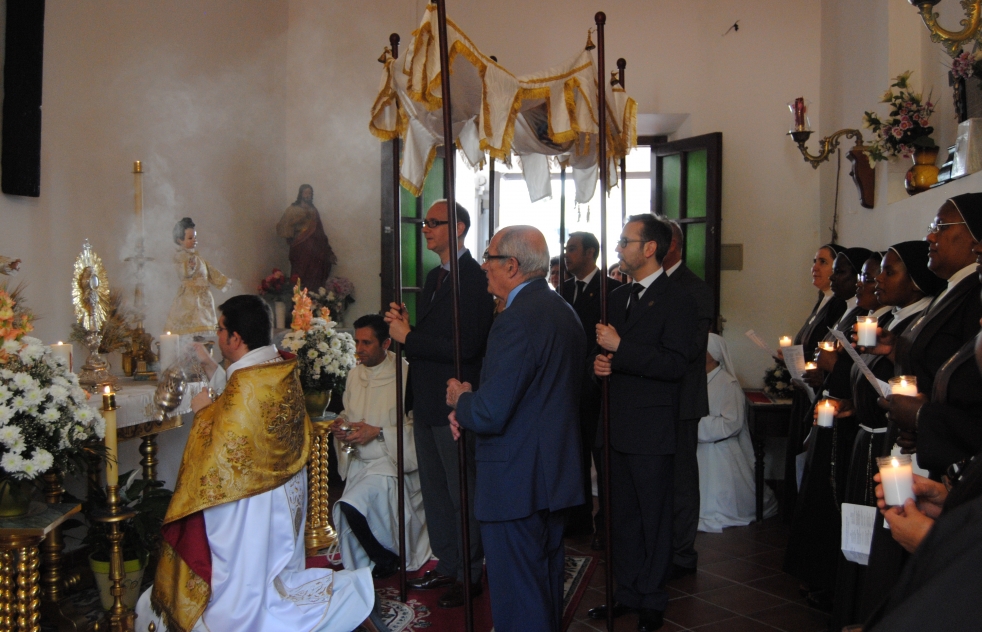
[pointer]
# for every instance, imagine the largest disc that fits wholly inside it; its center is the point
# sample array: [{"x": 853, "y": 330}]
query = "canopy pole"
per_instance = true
[
  {"x": 621, "y": 65},
  {"x": 491, "y": 189},
  {"x": 601, "y": 20},
  {"x": 397, "y": 348},
  {"x": 562, "y": 228},
  {"x": 449, "y": 185}
]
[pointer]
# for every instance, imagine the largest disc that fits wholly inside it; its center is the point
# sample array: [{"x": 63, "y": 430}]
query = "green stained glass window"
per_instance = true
[
  {"x": 695, "y": 248},
  {"x": 671, "y": 184},
  {"x": 696, "y": 184}
]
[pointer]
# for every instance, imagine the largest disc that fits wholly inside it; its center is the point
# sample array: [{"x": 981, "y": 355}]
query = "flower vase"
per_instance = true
[
  {"x": 15, "y": 497},
  {"x": 924, "y": 173},
  {"x": 316, "y": 402}
]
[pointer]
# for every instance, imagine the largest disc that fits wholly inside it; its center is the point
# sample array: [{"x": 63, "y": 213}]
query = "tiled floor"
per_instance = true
[{"x": 739, "y": 587}]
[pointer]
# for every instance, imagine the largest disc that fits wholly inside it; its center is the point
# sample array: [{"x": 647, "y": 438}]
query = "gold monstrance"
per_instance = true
[{"x": 90, "y": 298}]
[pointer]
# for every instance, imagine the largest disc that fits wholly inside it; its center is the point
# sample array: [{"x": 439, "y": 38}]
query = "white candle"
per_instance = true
[
  {"x": 63, "y": 351},
  {"x": 866, "y": 331},
  {"x": 827, "y": 346},
  {"x": 903, "y": 385},
  {"x": 810, "y": 366},
  {"x": 897, "y": 479},
  {"x": 785, "y": 341},
  {"x": 169, "y": 349},
  {"x": 109, "y": 414},
  {"x": 279, "y": 308},
  {"x": 826, "y": 413}
]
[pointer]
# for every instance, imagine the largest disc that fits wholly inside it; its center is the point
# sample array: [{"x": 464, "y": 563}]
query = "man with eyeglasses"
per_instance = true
[
  {"x": 429, "y": 349},
  {"x": 645, "y": 351}
]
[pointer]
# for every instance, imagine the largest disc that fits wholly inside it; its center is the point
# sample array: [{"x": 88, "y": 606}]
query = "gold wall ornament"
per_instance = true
[
  {"x": 952, "y": 41},
  {"x": 828, "y": 144}
]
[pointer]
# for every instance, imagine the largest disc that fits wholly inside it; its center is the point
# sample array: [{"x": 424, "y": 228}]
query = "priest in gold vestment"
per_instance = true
[{"x": 233, "y": 556}]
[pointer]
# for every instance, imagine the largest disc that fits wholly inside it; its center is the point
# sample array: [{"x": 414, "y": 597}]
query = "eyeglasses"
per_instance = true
[
  {"x": 622, "y": 242},
  {"x": 488, "y": 257},
  {"x": 219, "y": 329},
  {"x": 936, "y": 227},
  {"x": 433, "y": 223},
  {"x": 866, "y": 278}
]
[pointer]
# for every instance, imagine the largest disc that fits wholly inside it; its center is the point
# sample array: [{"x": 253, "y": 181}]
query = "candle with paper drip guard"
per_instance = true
[
  {"x": 903, "y": 385},
  {"x": 109, "y": 414},
  {"x": 63, "y": 351},
  {"x": 785, "y": 341},
  {"x": 897, "y": 478},
  {"x": 866, "y": 331},
  {"x": 169, "y": 349},
  {"x": 827, "y": 346},
  {"x": 826, "y": 413},
  {"x": 810, "y": 366}
]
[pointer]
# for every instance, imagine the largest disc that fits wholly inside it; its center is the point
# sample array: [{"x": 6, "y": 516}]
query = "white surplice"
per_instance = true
[
  {"x": 259, "y": 581},
  {"x": 726, "y": 457},
  {"x": 371, "y": 486}
]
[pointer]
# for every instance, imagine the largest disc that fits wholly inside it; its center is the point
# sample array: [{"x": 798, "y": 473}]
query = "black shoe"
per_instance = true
[
  {"x": 384, "y": 571},
  {"x": 649, "y": 619},
  {"x": 598, "y": 543},
  {"x": 430, "y": 579},
  {"x": 679, "y": 572},
  {"x": 600, "y": 612},
  {"x": 454, "y": 597}
]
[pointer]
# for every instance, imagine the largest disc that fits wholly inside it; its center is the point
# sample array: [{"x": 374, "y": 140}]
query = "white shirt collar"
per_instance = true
[
  {"x": 262, "y": 355},
  {"x": 957, "y": 277},
  {"x": 876, "y": 313},
  {"x": 902, "y": 313},
  {"x": 826, "y": 297},
  {"x": 648, "y": 280},
  {"x": 672, "y": 270},
  {"x": 589, "y": 277}
]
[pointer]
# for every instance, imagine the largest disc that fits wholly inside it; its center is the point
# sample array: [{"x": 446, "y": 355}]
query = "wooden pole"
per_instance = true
[
  {"x": 397, "y": 348},
  {"x": 601, "y": 20},
  {"x": 449, "y": 184},
  {"x": 621, "y": 65},
  {"x": 562, "y": 228},
  {"x": 491, "y": 190}
]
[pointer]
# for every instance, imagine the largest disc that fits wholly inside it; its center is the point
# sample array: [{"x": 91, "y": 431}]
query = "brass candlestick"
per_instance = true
[
  {"x": 828, "y": 144},
  {"x": 318, "y": 533},
  {"x": 952, "y": 41},
  {"x": 121, "y": 619}
]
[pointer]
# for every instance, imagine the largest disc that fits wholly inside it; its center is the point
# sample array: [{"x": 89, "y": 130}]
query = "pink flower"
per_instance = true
[{"x": 897, "y": 132}]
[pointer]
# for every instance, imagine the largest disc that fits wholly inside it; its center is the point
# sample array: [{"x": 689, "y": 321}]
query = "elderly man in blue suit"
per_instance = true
[{"x": 526, "y": 418}]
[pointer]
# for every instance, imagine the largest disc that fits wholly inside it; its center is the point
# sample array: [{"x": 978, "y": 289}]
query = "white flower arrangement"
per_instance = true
[
  {"x": 324, "y": 355},
  {"x": 44, "y": 417}
]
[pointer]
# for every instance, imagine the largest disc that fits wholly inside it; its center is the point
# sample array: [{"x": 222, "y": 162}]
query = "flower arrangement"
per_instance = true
[
  {"x": 43, "y": 415},
  {"x": 324, "y": 355},
  {"x": 336, "y": 296},
  {"x": 905, "y": 128},
  {"x": 276, "y": 285},
  {"x": 967, "y": 65},
  {"x": 777, "y": 382}
]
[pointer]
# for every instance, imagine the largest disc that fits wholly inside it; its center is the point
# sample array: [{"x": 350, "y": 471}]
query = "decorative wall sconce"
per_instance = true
[{"x": 952, "y": 40}]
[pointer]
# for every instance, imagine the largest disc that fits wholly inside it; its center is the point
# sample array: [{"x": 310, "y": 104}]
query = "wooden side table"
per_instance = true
[
  {"x": 766, "y": 418},
  {"x": 20, "y": 561}
]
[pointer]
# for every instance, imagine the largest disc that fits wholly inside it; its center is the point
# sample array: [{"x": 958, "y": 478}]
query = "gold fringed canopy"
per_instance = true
[{"x": 550, "y": 113}]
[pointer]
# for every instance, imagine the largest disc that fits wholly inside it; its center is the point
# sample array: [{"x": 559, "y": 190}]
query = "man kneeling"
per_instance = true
[
  {"x": 232, "y": 556},
  {"x": 367, "y": 515}
]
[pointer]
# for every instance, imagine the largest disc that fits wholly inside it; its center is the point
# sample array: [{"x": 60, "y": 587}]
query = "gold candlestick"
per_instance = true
[
  {"x": 121, "y": 619},
  {"x": 318, "y": 533}
]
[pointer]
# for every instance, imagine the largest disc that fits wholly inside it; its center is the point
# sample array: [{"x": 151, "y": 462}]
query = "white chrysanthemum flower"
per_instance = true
[
  {"x": 11, "y": 346},
  {"x": 30, "y": 352},
  {"x": 34, "y": 396},
  {"x": 58, "y": 393},
  {"x": 60, "y": 381},
  {"x": 19, "y": 404},
  {"x": 336, "y": 343},
  {"x": 29, "y": 469},
  {"x": 99, "y": 427},
  {"x": 51, "y": 414},
  {"x": 84, "y": 415},
  {"x": 6, "y": 414},
  {"x": 12, "y": 463},
  {"x": 42, "y": 460},
  {"x": 23, "y": 381},
  {"x": 4, "y": 393},
  {"x": 312, "y": 354},
  {"x": 323, "y": 347}
]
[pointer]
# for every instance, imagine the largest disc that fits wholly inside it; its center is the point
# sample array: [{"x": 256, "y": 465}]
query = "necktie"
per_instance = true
[
  {"x": 580, "y": 288},
  {"x": 440, "y": 276},
  {"x": 636, "y": 290}
]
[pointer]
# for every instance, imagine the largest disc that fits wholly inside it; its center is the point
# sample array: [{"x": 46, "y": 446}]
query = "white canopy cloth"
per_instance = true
[
  {"x": 370, "y": 473},
  {"x": 550, "y": 113}
]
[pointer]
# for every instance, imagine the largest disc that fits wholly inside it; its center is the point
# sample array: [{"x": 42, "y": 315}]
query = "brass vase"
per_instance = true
[
  {"x": 924, "y": 173},
  {"x": 316, "y": 402},
  {"x": 15, "y": 497}
]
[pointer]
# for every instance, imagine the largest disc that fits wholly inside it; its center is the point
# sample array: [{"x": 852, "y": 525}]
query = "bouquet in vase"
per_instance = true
[
  {"x": 777, "y": 382},
  {"x": 905, "y": 128},
  {"x": 44, "y": 418},
  {"x": 276, "y": 286},
  {"x": 324, "y": 355},
  {"x": 336, "y": 296}
]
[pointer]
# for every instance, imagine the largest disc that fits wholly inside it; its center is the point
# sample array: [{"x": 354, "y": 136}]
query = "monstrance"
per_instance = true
[{"x": 90, "y": 298}]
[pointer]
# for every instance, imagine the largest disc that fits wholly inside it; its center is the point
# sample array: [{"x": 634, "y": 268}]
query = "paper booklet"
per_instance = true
[
  {"x": 881, "y": 387},
  {"x": 794, "y": 359},
  {"x": 757, "y": 340}
]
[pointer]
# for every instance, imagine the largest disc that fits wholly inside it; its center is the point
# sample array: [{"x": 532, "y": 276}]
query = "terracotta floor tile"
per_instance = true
[
  {"x": 735, "y": 547},
  {"x": 690, "y": 612},
  {"x": 793, "y": 617},
  {"x": 737, "y": 624},
  {"x": 739, "y": 570},
  {"x": 710, "y": 556},
  {"x": 783, "y": 585},
  {"x": 698, "y": 583},
  {"x": 771, "y": 559},
  {"x": 741, "y": 599}
]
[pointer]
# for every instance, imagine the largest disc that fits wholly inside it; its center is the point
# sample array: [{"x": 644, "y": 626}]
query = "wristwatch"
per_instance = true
[{"x": 380, "y": 436}]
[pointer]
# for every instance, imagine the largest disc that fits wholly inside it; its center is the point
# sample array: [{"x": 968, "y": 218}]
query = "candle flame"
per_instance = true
[
  {"x": 168, "y": 333},
  {"x": 903, "y": 382},
  {"x": 60, "y": 342},
  {"x": 894, "y": 462}
]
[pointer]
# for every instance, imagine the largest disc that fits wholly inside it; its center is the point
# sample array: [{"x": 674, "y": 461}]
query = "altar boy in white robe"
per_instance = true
[
  {"x": 366, "y": 515},
  {"x": 725, "y": 453},
  {"x": 232, "y": 556}
]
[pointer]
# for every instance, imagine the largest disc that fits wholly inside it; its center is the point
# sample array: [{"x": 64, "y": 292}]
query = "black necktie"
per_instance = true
[
  {"x": 440, "y": 276},
  {"x": 580, "y": 288},
  {"x": 636, "y": 290}
]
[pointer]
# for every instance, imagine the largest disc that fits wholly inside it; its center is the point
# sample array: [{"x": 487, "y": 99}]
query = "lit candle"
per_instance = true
[
  {"x": 810, "y": 366},
  {"x": 903, "y": 385},
  {"x": 866, "y": 331},
  {"x": 827, "y": 346},
  {"x": 897, "y": 478},
  {"x": 169, "y": 348},
  {"x": 109, "y": 414},
  {"x": 138, "y": 188},
  {"x": 785, "y": 341},
  {"x": 799, "y": 114},
  {"x": 826, "y": 413},
  {"x": 63, "y": 351}
]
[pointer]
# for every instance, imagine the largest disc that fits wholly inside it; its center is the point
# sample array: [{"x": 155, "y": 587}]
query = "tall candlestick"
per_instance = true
[
  {"x": 897, "y": 478},
  {"x": 826, "y": 413},
  {"x": 169, "y": 349},
  {"x": 109, "y": 414},
  {"x": 903, "y": 385},
  {"x": 785, "y": 341},
  {"x": 63, "y": 351},
  {"x": 866, "y": 331}
]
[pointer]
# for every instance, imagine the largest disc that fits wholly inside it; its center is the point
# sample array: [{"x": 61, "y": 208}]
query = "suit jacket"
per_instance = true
[
  {"x": 657, "y": 346},
  {"x": 587, "y": 305},
  {"x": 429, "y": 346},
  {"x": 525, "y": 413},
  {"x": 694, "y": 395},
  {"x": 940, "y": 332}
]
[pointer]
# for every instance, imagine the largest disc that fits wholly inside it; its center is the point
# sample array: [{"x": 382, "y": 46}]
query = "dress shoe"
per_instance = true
[
  {"x": 649, "y": 620},
  {"x": 681, "y": 571},
  {"x": 384, "y": 571},
  {"x": 430, "y": 579},
  {"x": 454, "y": 597},
  {"x": 598, "y": 543},
  {"x": 600, "y": 612}
]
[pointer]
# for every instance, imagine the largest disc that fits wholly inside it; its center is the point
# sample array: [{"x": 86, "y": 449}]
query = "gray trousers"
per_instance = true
[
  {"x": 686, "y": 520},
  {"x": 439, "y": 481}
]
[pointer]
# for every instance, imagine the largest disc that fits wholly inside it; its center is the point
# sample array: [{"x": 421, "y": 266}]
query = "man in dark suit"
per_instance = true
[
  {"x": 583, "y": 293},
  {"x": 429, "y": 350},
  {"x": 693, "y": 406},
  {"x": 646, "y": 350},
  {"x": 525, "y": 417}
]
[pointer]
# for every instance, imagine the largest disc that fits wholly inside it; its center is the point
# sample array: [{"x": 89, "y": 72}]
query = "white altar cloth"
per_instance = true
[{"x": 135, "y": 401}]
